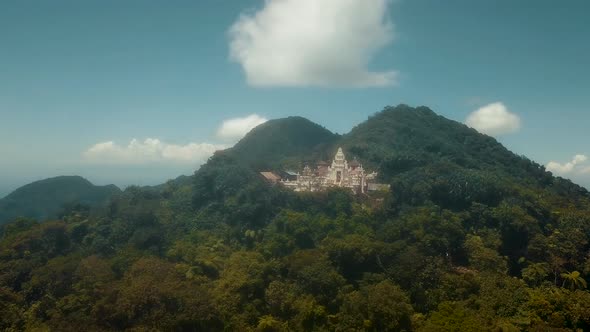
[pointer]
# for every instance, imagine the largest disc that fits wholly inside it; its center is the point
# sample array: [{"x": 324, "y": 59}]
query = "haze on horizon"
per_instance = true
[{"x": 138, "y": 93}]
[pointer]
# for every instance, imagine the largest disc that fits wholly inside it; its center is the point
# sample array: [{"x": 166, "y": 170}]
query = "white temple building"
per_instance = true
[{"x": 340, "y": 173}]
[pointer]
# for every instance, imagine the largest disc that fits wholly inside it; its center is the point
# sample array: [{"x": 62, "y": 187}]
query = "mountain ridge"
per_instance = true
[{"x": 388, "y": 138}]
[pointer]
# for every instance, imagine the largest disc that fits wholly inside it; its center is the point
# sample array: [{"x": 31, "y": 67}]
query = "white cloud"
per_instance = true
[
  {"x": 153, "y": 150},
  {"x": 494, "y": 119},
  {"x": 574, "y": 167},
  {"x": 149, "y": 151},
  {"x": 236, "y": 128},
  {"x": 313, "y": 43}
]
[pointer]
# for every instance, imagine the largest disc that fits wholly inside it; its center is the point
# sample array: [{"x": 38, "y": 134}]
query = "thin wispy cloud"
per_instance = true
[
  {"x": 154, "y": 150},
  {"x": 150, "y": 150},
  {"x": 313, "y": 43},
  {"x": 236, "y": 128},
  {"x": 494, "y": 119}
]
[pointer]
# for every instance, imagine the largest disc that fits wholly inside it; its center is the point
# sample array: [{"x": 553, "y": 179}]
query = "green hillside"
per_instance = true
[
  {"x": 284, "y": 143},
  {"x": 44, "y": 199},
  {"x": 471, "y": 237},
  {"x": 402, "y": 136}
]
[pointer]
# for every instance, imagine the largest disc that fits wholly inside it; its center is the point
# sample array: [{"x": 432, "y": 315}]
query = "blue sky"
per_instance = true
[{"x": 79, "y": 80}]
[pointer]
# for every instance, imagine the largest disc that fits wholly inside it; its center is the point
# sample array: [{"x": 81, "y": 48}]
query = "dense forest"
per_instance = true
[{"x": 470, "y": 237}]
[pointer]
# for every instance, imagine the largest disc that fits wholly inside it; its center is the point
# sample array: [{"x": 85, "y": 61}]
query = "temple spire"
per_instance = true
[{"x": 340, "y": 154}]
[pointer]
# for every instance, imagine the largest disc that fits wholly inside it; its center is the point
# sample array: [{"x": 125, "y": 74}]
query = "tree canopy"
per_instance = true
[{"x": 470, "y": 238}]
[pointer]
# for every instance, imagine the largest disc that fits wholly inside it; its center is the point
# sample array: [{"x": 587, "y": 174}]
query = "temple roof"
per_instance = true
[{"x": 270, "y": 176}]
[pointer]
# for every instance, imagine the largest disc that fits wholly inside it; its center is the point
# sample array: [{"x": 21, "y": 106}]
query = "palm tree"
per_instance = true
[{"x": 574, "y": 280}]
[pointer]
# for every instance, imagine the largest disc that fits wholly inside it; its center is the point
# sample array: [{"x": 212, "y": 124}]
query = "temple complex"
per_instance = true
[{"x": 340, "y": 173}]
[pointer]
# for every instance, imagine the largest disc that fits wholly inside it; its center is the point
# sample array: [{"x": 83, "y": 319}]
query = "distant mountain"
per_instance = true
[
  {"x": 284, "y": 142},
  {"x": 402, "y": 138},
  {"x": 403, "y": 131},
  {"x": 44, "y": 199}
]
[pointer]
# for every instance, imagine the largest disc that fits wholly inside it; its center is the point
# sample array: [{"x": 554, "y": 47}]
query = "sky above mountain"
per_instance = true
[{"x": 137, "y": 92}]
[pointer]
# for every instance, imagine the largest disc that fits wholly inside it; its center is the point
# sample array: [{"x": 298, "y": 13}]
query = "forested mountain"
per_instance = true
[
  {"x": 283, "y": 143},
  {"x": 46, "y": 198},
  {"x": 471, "y": 237}
]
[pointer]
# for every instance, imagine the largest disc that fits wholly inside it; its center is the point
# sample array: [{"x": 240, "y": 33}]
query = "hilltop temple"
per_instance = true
[{"x": 340, "y": 173}]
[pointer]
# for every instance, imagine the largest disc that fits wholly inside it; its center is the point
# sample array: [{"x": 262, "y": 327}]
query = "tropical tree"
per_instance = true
[
  {"x": 574, "y": 280},
  {"x": 535, "y": 273}
]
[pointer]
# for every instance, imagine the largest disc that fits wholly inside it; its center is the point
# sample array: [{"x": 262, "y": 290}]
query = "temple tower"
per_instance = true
[{"x": 339, "y": 169}]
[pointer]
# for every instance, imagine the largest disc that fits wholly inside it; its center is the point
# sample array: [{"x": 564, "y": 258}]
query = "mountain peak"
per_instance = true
[{"x": 276, "y": 140}]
